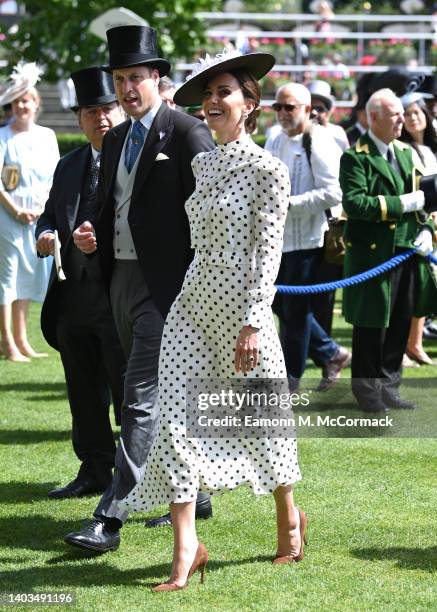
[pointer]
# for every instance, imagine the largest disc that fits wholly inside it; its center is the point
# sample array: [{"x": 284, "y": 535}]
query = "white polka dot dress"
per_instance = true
[{"x": 237, "y": 216}]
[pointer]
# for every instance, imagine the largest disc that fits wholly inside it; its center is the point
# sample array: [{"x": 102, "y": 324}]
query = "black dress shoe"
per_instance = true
[
  {"x": 394, "y": 401},
  {"x": 159, "y": 521},
  {"x": 76, "y": 488},
  {"x": 430, "y": 332},
  {"x": 95, "y": 536},
  {"x": 203, "y": 511},
  {"x": 375, "y": 406}
]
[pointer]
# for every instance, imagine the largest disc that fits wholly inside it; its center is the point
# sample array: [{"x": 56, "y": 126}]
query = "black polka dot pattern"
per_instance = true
[{"x": 237, "y": 216}]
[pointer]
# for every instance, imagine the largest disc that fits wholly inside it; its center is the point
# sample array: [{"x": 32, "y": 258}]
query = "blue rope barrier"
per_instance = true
[{"x": 352, "y": 280}]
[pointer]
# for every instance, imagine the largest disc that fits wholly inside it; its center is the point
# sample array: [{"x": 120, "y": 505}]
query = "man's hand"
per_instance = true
[
  {"x": 423, "y": 243},
  {"x": 46, "y": 244},
  {"x": 85, "y": 238}
]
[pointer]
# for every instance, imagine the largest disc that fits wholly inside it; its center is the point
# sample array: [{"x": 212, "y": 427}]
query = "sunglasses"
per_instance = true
[
  {"x": 289, "y": 108},
  {"x": 319, "y": 109}
]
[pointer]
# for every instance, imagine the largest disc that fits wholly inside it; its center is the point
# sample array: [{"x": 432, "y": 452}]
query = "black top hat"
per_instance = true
[
  {"x": 429, "y": 86},
  {"x": 94, "y": 87},
  {"x": 363, "y": 90},
  {"x": 190, "y": 93},
  {"x": 133, "y": 45},
  {"x": 399, "y": 80},
  {"x": 428, "y": 184}
]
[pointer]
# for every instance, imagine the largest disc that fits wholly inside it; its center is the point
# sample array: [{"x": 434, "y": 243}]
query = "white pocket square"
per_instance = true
[{"x": 161, "y": 156}]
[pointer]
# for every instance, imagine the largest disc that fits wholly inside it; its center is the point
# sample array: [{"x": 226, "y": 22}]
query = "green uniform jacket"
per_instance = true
[{"x": 374, "y": 215}]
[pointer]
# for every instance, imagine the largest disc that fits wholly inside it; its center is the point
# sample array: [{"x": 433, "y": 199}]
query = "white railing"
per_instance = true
[{"x": 359, "y": 21}]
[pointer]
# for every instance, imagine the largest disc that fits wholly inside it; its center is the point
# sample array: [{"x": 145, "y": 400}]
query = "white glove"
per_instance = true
[
  {"x": 423, "y": 243},
  {"x": 412, "y": 201}
]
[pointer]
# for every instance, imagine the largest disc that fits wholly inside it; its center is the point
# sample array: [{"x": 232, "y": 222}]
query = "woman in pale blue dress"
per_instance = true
[{"x": 31, "y": 151}]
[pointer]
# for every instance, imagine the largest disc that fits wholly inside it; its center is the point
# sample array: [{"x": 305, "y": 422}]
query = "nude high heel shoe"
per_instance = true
[
  {"x": 199, "y": 563},
  {"x": 303, "y": 522}
]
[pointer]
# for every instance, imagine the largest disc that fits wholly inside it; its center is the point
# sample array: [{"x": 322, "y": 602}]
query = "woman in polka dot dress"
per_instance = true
[{"x": 221, "y": 324}]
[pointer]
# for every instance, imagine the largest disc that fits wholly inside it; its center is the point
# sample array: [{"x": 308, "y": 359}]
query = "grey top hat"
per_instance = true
[
  {"x": 133, "y": 45},
  {"x": 190, "y": 93},
  {"x": 322, "y": 90},
  {"x": 410, "y": 98},
  {"x": 93, "y": 87}
]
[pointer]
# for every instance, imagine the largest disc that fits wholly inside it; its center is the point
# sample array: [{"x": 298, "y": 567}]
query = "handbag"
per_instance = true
[
  {"x": 10, "y": 176},
  {"x": 334, "y": 247}
]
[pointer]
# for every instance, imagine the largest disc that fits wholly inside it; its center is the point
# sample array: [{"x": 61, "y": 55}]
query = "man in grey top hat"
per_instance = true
[
  {"x": 142, "y": 241},
  {"x": 76, "y": 317}
]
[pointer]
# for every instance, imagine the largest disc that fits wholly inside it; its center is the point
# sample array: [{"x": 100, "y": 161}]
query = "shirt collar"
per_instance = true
[
  {"x": 148, "y": 118},
  {"x": 94, "y": 152},
  {"x": 295, "y": 138},
  {"x": 381, "y": 146}
]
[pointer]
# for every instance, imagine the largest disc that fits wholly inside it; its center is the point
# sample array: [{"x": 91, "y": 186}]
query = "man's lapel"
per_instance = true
[
  {"x": 376, "y": 159},
  {"x": 113, "y": 153},
  {"x": 404, "y": 159},
  {"x": 75, "y": 184},
  {"x": 159, "y": 134}
]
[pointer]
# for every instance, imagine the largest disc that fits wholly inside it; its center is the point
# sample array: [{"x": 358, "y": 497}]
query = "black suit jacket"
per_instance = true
[
  {"x": 157, "y": 217},
  {"x": 60, "y": 213}
]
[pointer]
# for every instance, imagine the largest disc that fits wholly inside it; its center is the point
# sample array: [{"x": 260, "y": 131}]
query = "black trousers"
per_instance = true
[
  {"x": 94, "y": 367},
  {"x": 323, "y": 303},
  {"x": 377, "y": 352}
]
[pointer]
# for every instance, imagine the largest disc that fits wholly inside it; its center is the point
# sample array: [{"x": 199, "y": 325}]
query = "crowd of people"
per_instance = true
[{"x": 168, "y": 246}]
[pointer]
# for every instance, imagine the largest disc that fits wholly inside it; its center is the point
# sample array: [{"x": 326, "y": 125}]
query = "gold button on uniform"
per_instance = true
[
  {"x": 373, "y": 246},
  {"x": 392, "y": 226},
  {"x": 349, "y": 244}
]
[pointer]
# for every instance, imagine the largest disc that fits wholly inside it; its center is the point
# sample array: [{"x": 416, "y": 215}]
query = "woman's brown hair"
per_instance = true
[{"x": 252, "y": 91}]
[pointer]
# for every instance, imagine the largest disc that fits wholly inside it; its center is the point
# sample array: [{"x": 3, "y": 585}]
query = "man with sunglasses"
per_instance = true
[{"x": 314, "y": 189}]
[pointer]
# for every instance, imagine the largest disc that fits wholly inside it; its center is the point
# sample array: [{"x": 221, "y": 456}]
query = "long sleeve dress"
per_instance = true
[
  {"x": 237, "y": 214},
  {"x": 22, "y": 274}
]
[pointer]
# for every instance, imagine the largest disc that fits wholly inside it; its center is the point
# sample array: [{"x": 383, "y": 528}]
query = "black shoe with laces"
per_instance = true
[{"x": 95, "y": 536}]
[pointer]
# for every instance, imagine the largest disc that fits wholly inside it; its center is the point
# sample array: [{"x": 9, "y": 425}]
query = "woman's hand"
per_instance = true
[
  {"x": 246, "y": 349},
  {"x": 26, "y": 217}
]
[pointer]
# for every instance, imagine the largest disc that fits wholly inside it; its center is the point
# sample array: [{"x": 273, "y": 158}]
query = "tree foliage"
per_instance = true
[{"x": 55, "y": 32}]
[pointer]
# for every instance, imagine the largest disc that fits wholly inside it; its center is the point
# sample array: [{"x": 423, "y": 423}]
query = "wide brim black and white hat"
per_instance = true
[
  {"x": 24, "y": 76},
  {"x": 190, "y": 93},
  {"x": 133, "y": 45}
]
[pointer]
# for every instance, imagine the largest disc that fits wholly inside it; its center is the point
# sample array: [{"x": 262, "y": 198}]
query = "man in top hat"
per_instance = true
[
  {"x": 76, "y": 317},
  {"x": 142, "y": 242},
  {"x": 385, "y": 216},
  {"x": 358, "y": 124},
  {"x": 322, "y": 105}
]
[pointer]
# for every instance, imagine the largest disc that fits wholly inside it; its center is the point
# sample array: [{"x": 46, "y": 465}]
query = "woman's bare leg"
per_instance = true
[
  {"x": 185, "y": 540},
  {"x": 287, "y": 521},
  {"x": 8, "y": 346},
  {"x": 20, "y": 309}
]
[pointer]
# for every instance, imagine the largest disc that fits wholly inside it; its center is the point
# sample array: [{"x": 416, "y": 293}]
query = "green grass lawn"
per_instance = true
[{"x": 371, "y": 505}]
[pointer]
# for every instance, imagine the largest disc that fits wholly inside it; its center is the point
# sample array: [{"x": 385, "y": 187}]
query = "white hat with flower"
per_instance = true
[{"x": 24, "y": 76}]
